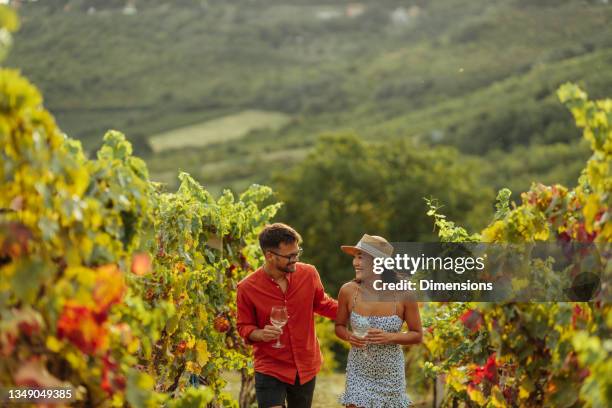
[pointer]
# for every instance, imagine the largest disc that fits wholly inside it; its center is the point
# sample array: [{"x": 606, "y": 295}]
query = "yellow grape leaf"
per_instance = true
[
  {"x": 80, "y": 272},
  {"x": 109, "y": 286},
  {"x": 9, "y": 19},
  {"x": 7, "y": 272},
  {"x": 597, "y": 173},
  {"x": 606, "y": 233},
  {"x": 579, "y": 116},
  {"x": 133, "y": 346},
  {"x": 73, "y": 257},
  {"x": 138, "y": 391},
  {"x": 193, "y": 367},
  {"x": 172, "y": 324},
  {"x": 86, "y": 246},
  {"x": 600, "y": 119},
  {"x": 497, "y": 398},
  {"x": 494, "y": 232},
  {"x": 604, "y": 104},
  {"x": 145, "y": 381},
  {"x": 76, "y": 361},
  {"x": 569, "y": 91},
  {"x": 590, "y": 211},
  {"x": 117, "y": 400},
  {"x": 202, "y": 352},
  {"x": 519, "y": 284},
  {"x": 93, "y": 214},
  {"x": 456, "y": 378},
  {"x": 80, "y": 179},
  {"x": 542, "y": 235},
  {"x": 53, "y": 344},
  {"x": 191, "y": 342},
  {"x": 526, "y": 388},
  {"x": 476, "y": 395},
  {"x": 523, "y": 393},
  {"x": 202, "y": 315}
]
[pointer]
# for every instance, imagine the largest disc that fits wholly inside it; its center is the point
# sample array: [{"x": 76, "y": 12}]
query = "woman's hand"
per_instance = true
[
  {"x": 358, "y": 342},
  {"x": 378, "y": 336}
]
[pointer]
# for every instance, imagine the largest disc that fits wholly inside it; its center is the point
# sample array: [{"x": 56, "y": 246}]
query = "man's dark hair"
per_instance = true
[{"x": 273, "y": 234}]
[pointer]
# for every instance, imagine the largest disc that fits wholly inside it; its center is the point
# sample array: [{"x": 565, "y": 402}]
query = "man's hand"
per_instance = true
[
  {"x": 378, "y": 336},
  {"x": 268, "y": 333}
]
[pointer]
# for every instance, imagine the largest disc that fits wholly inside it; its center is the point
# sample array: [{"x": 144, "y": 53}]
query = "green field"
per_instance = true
[{"x": 224, "y": 129}]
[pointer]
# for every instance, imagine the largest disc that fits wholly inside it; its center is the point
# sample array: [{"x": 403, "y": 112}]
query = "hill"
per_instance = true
[{"x": 476, "y": 74}]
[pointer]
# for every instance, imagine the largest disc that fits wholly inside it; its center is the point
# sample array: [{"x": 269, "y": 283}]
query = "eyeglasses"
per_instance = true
[{"x": 290, "y": 256}]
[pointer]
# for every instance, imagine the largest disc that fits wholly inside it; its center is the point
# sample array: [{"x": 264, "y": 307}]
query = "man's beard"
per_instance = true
[{"x": 286, "y": 268}]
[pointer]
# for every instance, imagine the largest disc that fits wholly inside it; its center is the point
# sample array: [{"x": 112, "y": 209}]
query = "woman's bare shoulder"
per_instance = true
[
  {"x": 348, "y": 288},
  {"x": 409, "y": 306}
]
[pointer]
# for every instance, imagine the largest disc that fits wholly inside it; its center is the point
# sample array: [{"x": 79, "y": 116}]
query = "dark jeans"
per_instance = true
[{"x": 272, "y": 392}]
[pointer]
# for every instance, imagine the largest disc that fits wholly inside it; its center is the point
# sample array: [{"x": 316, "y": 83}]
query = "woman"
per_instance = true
[{"x": 375, "y": 374}]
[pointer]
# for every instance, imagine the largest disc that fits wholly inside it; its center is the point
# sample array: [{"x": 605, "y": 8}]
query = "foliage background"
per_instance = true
[{"x": 476, "y": 76}]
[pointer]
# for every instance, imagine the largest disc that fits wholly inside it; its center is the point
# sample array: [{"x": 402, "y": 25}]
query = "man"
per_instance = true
[{"x": 287, "y": 373}]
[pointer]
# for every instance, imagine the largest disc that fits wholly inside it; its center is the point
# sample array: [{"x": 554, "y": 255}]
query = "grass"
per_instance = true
[
  {"x": 329, "y": 386},
  {"x": 224, "y": 129},
  {"x": 259, "y": 159}
]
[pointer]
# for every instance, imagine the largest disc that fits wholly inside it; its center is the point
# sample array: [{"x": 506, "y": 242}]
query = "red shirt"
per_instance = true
[{"x": 257, "y": 293}]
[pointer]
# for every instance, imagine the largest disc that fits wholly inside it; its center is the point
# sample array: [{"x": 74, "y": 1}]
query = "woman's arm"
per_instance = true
[
  {"x": 414, "y": 335},
  {"x": 323, "y": 305},
  {"x": 342, "y": 318}
]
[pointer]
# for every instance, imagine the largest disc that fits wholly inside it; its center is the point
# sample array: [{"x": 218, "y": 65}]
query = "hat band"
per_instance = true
[{"x": 372, "y": 250}]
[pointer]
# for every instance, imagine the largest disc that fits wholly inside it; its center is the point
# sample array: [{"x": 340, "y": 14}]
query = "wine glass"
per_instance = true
[
  {"x": 360, "y": 328},
  {"x": 278, "y": 318}
]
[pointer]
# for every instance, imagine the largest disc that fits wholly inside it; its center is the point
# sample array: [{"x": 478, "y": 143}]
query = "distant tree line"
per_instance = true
[{"x": 347, "y": 187}]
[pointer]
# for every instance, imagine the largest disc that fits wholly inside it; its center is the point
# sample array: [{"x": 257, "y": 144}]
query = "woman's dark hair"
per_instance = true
[
  {"x": 389, "y": 276},
  {"x": 273, "y": 234}
]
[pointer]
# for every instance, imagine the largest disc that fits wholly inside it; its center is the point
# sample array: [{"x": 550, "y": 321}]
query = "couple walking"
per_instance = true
[{"x": 286, "y": 350}]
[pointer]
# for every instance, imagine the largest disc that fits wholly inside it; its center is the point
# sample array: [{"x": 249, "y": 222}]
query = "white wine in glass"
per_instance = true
[
  {"x": 278, "y": 318},
  {"x": 361, "y": 330}
]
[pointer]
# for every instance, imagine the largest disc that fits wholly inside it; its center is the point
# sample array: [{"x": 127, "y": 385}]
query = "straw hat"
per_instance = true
[{"x": 373, "y": 245}]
